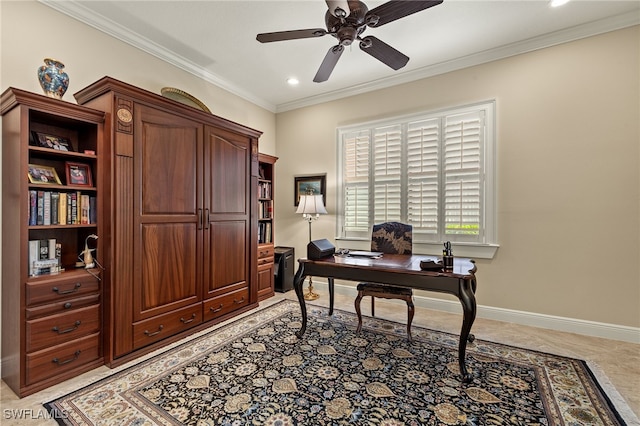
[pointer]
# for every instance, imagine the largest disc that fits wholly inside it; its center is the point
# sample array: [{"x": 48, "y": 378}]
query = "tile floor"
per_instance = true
[{"x": 612, "y": 361}]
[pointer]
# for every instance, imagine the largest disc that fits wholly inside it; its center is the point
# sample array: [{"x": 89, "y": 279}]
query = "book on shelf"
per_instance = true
[
  {"x": 55, "y": 206},
  {"x": 46, "y": 216},
  {"x": 74, "y": 208},
  {"x": 44, "y": 257},
  {"x": 69, "y": 211},
  {"x": 84, "y": 209},
  {"x": 61, "y": 208},
  {"x": 264, "y": 190},
  {"x": 40, "y": 208},
  {"x": 264, "y": 233},
  {"x": 93, "y": 210},
  {"x": 33, "y": 207},
  {"x": 266, "y": 209}
]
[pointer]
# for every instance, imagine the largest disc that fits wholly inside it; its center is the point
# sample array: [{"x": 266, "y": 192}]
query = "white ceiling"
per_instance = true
[{"x": 216, "y": 40}]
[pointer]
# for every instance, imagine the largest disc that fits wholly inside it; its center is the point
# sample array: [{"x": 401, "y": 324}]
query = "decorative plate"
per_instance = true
[{"x": 184, "y": 98}]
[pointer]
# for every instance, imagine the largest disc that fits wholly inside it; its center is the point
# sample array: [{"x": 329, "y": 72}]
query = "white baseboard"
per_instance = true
[{"x": 569, "y": 325}]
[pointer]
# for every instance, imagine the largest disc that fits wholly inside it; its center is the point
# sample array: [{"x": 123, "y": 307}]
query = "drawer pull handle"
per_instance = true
[
  {"x": 73, "y": 290},
  {"x": 187, "y": 321},
  {"x": 216, "y": 310},
  {"x": 237, "y": 302},
  {"x": 150, "y": 334},
  {"x": 67, "y": 305},
  {"x": 75, "y": 356},
  {"x": 68, "y": 330}
]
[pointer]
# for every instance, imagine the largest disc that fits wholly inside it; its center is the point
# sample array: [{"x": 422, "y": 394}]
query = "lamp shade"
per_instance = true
[{"x": 311, "y": 204}]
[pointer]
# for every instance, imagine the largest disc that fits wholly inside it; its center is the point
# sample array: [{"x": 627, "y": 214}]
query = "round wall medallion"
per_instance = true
[{"x": 124, "y": 115}]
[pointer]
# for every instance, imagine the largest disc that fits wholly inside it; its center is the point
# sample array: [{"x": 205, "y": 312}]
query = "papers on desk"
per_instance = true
[{"x": 359, "y": 253}]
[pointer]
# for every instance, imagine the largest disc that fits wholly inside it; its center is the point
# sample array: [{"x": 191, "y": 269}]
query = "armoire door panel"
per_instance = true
[
  {"x": 169, "y": 164},
  {"x": 227, "y": 262},
  {"x": 167, "y": 275},
  {"x": 229, "y": 159}
]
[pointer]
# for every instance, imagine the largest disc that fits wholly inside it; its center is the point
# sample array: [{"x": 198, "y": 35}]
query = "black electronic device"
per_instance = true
[
  {"x": 284, "y": 264},
  {"x": 320, "y": 249}
]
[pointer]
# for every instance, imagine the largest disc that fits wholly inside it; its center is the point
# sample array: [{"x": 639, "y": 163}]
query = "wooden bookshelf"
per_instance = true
[{"x": 266, "y": 187}]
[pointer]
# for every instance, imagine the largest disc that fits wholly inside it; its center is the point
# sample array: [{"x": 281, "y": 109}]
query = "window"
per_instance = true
[{"x": 433, "y": 170}]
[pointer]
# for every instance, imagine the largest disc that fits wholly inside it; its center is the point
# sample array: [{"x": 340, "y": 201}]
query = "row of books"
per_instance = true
[
  {"x": 61, "y": 208},
  {"x": 44, "y": 257},
  {"x": 264, "y": 190},
  {"x": 265, "y": 209},
  {"x": 264, "y": 233}
]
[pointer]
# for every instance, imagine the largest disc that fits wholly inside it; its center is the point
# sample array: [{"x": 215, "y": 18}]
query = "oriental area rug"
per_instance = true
[{"x": 255, "y": 371}]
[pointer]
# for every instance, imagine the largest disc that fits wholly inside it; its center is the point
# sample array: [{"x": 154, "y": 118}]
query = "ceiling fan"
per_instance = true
[{"x": 346, "y": 20}]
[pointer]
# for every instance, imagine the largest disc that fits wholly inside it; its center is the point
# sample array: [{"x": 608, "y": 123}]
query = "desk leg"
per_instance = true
[
  {"x": 298, "y": 282},
  {"x": 468, "y": 300},
  {"x": 331, "y": 294}
]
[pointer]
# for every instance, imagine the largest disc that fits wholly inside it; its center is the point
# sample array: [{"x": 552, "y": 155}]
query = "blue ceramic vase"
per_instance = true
[{"x": 53, "y": 79}]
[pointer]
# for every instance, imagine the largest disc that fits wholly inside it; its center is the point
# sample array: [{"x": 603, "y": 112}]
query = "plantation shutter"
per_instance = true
[
  {"x": 462, "y": 175},
  {"x": 356, "y": 182},
  {"x": 387, "y": 169},
  {"x": 423, "y": 175},
  {"x": 434, "y": 171}
]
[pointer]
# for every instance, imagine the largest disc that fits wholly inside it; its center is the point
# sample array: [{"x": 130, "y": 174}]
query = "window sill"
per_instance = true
[{"x": 470, "y": 250}]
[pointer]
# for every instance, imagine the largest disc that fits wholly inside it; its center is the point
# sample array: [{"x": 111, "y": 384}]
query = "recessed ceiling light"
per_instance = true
[
  {"x": 556, "y": 3},
  {"x": 293, "y": 81}
]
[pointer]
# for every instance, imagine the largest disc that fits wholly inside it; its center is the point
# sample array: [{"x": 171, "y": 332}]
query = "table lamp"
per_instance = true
[{"x": 311, "y": 207}]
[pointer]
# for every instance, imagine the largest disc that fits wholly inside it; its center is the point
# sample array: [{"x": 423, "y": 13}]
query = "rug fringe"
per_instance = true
[{"x": 610, "y": 390}]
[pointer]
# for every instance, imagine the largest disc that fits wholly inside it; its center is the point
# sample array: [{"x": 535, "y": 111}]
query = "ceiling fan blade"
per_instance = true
[
  {"x": 396, "y": 9},
  {"x": 338, "y": 8},
  {"x": 290, "y": 35},
  {"x": 383, "y": 52},
  {"x": 329, "y": 63}
]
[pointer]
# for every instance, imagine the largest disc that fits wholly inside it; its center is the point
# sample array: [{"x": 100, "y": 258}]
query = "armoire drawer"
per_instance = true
[
  {"x": 56, "y": 329},
  {"x": 62, "y": 358},
  {"x": 59, "y": 288},
  {"x": 221, "y": 305},
  {"x": 161, "y": 326},
  {"x": 62, "y": 306}
]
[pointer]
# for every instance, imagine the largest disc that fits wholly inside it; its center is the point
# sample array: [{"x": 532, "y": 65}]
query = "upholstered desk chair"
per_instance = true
[{"x": 389, "y": 238}]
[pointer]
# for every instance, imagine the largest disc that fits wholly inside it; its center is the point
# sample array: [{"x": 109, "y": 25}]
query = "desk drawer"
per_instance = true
[
  {"x": 61, "y": 328},
  {"x": 157, "y": 328},
  {"x": 51, "y": 362}
]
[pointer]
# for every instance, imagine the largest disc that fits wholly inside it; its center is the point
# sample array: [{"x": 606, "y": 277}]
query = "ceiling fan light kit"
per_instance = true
[{"x": 346, "y": 20}]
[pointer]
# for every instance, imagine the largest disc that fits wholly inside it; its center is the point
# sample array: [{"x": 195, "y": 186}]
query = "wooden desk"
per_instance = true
[{"x": 403, "y": 271}]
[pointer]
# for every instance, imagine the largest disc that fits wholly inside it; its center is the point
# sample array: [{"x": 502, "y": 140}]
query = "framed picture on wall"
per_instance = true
[{"x": 310, "y": 185}]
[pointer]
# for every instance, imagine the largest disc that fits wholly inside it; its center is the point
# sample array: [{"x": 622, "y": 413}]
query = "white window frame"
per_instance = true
[{"x": 486, "y": 244}]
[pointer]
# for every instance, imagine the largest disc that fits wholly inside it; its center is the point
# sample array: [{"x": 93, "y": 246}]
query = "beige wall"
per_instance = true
[
  {"x": 568, "y": 182},
  {"x": 568, "y": 152},
  {"x": 89, "y": 55}
]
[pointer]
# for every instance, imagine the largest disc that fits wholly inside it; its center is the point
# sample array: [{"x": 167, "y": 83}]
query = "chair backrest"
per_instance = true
[{"x": 392, "y": 238}]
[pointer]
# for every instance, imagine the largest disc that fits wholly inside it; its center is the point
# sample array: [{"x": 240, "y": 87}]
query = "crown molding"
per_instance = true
[
  {"x": 547, "y": 40},
  {"x": 79, "y": 12},
  {"x": 76, "y": 10}
]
